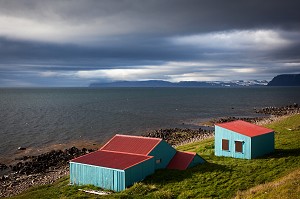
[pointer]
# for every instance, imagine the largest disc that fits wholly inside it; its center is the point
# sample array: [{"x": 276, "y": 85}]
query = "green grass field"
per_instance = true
[{"x": 220, "y": 177}]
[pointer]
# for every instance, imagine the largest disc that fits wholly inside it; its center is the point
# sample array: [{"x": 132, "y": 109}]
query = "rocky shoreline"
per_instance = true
[
  {"x": 48, "y": 167},
  {"x": 176, "y": 136},
  {"x": 267, "y": 113},
  {"x": 280, "y": 111},
  {"x": 37, "y": 170}
]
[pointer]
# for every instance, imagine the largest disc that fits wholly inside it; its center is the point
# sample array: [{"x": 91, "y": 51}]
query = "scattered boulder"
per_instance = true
[{"x": 45, "y": 161}]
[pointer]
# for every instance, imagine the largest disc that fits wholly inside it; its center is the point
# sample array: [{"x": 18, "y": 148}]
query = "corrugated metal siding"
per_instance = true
[
  {"x": 163, "y": 151},
  {"x": 222, "y": 133},
  {"x": 196, "y": 160},
  {"x": 106, "y": 178},
  {"x": 139, "y": 172},
  {"x": 262, "y": 145}
]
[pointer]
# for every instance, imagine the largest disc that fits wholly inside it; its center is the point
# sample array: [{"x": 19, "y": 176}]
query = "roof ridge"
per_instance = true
[
  {"x": 245, "y": 128},
  {"x": 111, "y": 159},
  {"x": 84, "y": 155},
  {"x": 149, "y": 157},
  {"x": 123, "y": 152},
  {"x": 155, "y": 146},
  {"x": 138, "y": 136},
  {"x": 232, "y": 122}
]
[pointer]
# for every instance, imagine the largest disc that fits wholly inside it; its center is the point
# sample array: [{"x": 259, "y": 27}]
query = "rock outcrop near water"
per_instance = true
[
  {"x": 230, "y": 119},
  {"x": 30, "y": 170},
  {"x": 41, "y": 163},
  {"x": 176, "y": 136},
  {"x": 271, "y": 111},
  {"x": 280, "y": 111}
]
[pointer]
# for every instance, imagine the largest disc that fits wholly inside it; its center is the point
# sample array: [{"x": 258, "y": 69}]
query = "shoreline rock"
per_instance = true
[
  {"x": 177, "y": 136},
  {"x": 280, "y": 111},
  {"x": 269, "y": 113},
  {"x": 37, "y": 170},
  {"x": 230, "y": 119}
]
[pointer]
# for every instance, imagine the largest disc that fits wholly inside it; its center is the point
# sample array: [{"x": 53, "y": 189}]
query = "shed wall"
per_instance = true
[
  {"x": 222, "y": 133},
  {"x": 164, "y": 152},
  {"x": 139, "y": 172},
  {"x": 263, "y": 144},
  {"x": 196, "y": 160},
  {"x": 106, "y": 178}
]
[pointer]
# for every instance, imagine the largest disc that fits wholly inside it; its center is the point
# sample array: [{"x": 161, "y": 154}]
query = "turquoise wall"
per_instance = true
[
  {"x": 263, "y": 144},
  {"x": 196, "y": 160},
  {"x": 221, "y": 133},
  {"x": 253, "y": 146},
  {"x": 107, "y": 178},
  {"x": 163, "y": 151},
  {"x": 139, "y": 172}
]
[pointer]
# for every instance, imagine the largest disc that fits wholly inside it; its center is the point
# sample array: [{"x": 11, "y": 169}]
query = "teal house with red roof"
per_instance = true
[
  {"x": 240, "y": 139},
  {"x": 125, "y": 159}
]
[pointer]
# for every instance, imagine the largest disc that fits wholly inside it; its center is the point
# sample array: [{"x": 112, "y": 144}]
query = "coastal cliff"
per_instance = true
[{"x": 285, "y": 80}]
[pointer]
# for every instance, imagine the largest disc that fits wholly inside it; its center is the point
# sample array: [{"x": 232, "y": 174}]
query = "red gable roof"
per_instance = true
[
  {"x": 181, "y": 160},
  {"x": 131, "y": 144},
  {"x": 110, "y": 159},
  {"x": 245, "y": 128}
]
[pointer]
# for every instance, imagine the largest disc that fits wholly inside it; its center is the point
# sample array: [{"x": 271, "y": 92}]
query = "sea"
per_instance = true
[{"x": 40, "y": 119}]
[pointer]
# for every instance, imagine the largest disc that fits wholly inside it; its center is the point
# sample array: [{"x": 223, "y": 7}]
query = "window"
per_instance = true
[
  {"x": 158, "y": 161},
  {"x": 239, "y": 146},
  {"x": 225, "y": 145}
]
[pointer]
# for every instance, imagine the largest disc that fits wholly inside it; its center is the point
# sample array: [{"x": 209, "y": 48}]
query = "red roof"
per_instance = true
[
  {"x": 181, "y": 160},
  {"x": 245, "y": 128},
  {"x": 110, "y": 159},
  {"x": 131, "y": 144}
]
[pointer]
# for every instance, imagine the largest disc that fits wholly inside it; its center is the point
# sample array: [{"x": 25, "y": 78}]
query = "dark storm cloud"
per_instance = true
[
  {"x": 163, "y": 17},
  {"x": 131, "y": 52},
  {"x": 80, "y": 41}
]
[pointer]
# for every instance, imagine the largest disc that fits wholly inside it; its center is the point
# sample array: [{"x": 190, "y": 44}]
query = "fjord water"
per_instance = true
[{"x": 40, "y": 117}]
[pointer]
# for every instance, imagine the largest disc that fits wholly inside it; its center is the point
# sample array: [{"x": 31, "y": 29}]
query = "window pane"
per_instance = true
[
  {"x": 238, "y": 146},
  {"x": 225, "y": 144}
]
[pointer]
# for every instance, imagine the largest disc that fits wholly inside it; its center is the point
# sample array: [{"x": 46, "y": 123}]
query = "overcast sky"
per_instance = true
[{"x": 74, "y": 43}]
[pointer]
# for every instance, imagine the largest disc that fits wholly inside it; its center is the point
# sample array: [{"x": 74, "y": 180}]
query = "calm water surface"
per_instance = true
[{"x": 36, "y": 118}]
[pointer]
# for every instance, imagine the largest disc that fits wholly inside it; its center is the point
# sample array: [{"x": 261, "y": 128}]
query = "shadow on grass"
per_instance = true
[
  {"x": 165, "y": 176},
  {"x": 281, "y": 153}
]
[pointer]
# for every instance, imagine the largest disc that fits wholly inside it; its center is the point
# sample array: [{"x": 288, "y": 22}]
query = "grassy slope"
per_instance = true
[
  {"x": 286, "y": 187},
  {"x": 219, "y": 177}
]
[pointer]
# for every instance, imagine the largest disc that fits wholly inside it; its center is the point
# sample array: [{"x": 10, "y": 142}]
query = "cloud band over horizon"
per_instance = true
[{"x": 63, "y": 43}]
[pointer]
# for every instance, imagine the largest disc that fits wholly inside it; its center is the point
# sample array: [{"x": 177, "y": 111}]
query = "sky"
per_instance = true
[{"x": 75, "y": 43}]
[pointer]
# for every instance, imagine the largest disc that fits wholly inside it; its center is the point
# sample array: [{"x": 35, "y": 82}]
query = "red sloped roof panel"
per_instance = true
[
  {"x": 131, "y": 144},
  {"x": 115, "y": 160},
  {"x": 181, "y": 160},
  {"x": 245, "y": 128}
]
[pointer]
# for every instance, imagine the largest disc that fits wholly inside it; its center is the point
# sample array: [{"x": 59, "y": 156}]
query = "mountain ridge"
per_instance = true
[{"x": 161, "y": 83}]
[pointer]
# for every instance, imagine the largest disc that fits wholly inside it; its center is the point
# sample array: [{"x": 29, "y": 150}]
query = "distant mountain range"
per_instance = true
[
  {"x": 285, "y": 80},
  {"x": 159, "y": 83}
]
